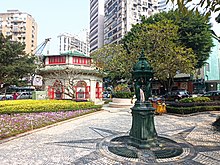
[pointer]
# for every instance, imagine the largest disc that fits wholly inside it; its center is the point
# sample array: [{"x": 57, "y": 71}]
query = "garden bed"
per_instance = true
[{"x": 21, "y": 116}]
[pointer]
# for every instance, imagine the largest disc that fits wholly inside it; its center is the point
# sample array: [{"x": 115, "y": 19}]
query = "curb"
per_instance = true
[{"x": 46, "y": 127}]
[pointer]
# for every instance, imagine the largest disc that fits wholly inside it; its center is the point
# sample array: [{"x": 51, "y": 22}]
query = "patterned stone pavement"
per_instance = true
[{"x": 79, "y": 141}]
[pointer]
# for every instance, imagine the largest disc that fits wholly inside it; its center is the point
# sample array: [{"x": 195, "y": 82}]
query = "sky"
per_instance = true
[{"x": 53, "y": 18}]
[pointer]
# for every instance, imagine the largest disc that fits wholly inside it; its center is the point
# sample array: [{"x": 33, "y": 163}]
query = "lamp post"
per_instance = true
[{"x": 143, "y": 133}]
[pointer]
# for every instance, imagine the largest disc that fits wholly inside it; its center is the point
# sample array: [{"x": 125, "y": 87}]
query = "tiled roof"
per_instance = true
[
  {"x": 75, "y": 53},
  {"x": 70, "y": 53}
]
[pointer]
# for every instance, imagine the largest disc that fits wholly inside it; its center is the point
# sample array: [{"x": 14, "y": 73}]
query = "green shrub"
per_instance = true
[
  {"x": 189, "y": 110},
  {"x": 122, "y": 88},
  {"x": 195, "y": 100},
  {"x": 123, "y": 95}
]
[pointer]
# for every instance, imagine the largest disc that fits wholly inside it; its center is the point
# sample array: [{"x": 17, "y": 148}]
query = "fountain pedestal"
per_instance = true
[{"x": 143, "y": 133}]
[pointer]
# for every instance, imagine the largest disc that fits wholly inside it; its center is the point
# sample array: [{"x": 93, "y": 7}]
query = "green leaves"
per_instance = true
[
  {"x": 208, "y": 7},
  {"x": 15, "y": 64},
  {"x": 160, "y": 39},
  {"x": 194, "y": 32},
  {"x": 113, "y": 59}
]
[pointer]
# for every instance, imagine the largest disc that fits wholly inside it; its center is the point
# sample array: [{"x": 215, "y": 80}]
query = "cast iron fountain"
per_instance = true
[{"x": 143, "y": 143}]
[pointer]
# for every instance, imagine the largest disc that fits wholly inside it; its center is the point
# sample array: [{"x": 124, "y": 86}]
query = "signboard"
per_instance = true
[{"x": 37, "y": 80}]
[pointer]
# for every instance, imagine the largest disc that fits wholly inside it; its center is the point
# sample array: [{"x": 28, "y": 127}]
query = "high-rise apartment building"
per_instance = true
[
  {"x": 96, "y": 36},
  {"x": 120, "y": 15},
  {"x": 21, "y": 26},
  {"x": 69, "y": 42},
  {"x": 163, "y": 6}
]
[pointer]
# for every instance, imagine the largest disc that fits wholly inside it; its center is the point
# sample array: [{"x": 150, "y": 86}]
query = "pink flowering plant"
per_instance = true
[{"x": 20, "y": 116}]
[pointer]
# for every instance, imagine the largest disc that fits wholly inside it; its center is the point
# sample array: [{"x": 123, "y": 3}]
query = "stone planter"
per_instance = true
[{"x": 121, "y": 103}]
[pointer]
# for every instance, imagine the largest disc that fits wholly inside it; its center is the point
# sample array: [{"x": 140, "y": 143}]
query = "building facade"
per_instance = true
[
  {"x": 120, "y": 15},
  {"x": 69, "y": 42},
  {"x": 110, "y": 20},
  {"x": 71, "y": 76},
  {"x": 96, "y": 35},
  {"x": 21, "y": 26},
  {"x": 212, "y": 67}
]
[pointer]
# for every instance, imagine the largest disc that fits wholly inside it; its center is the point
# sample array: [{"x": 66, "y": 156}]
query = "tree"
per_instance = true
[
  {"x": 194, "y": 32},
  {"x": 208, "y": 7},
  {"x": 15, "y": 64},
  {"x": 166, "y": 56},
  {"x": 113, "y": 60}
]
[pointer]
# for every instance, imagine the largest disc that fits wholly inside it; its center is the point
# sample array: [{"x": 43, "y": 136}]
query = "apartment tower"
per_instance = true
[
  {"x": 96, "y": 36},
  {"x": 120, "y": 15},
  {"x": 69, "y": 42},
  {"x": 21, "y": 26}
]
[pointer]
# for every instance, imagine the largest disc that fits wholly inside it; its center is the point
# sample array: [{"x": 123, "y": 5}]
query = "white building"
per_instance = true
[
  {"x": 73, "y": 73},
  {"x": 96, "y": 36},
  {"x": 69, "y": 42}
]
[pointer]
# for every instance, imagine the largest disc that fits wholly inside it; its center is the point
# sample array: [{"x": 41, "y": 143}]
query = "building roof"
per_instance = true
[{"x": 74, "y": 53}]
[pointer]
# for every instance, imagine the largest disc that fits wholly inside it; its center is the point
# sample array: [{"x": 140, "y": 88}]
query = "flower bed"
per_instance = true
[
  {"x": 13, "y": 122},
  {"x": 29, "y": 106}
]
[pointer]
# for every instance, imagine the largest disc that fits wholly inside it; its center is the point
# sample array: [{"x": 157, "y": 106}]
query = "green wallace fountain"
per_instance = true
[
  {"x": 142, "y": 144},
  {"x": 143, "y": 133}
]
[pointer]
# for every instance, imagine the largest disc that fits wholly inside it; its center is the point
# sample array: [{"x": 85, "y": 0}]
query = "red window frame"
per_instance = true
[
  {"x": 57, "y": 60},
  {"x": 81, "y": 61}
]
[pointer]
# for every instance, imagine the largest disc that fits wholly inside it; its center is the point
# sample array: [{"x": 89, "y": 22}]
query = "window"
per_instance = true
[
  {"x": 207, "y": 67},
  {"x": 57, "y": 60},
  {"x": 81, "y": 60}
]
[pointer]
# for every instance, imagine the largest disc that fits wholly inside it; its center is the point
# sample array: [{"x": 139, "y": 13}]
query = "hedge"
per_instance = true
[
  {"x": 194, "y": 104},
  {"x": 195, "y": 100},
  {"x": 194, "y": 109},
  {"x": 127, "y": 95}
]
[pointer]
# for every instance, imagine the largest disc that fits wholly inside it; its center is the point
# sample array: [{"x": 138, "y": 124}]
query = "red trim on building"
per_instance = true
[
  {"x": 98, "y": 93},
  {"x": 81, "y": 61},
  {"x": 82, "y": 90},
  {"x": 57, "y": 60}
]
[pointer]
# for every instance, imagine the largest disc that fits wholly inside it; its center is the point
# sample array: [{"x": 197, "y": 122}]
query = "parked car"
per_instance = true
[
  {"x": 6, "y": 97},
  {"x": 24, "y": 95},
  {"x": 177, "y": 95},
  {"x": 213, "y": 95}
]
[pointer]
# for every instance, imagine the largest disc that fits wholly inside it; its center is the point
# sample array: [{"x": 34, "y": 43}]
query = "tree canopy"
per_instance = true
[
  {"x": 113, "y": 60},
  {"x": 166, "y": 56},
  {"x": 208, "y": 7},
  {"x": 194, "y": 32},
  {"x": 15, "y": 64}
]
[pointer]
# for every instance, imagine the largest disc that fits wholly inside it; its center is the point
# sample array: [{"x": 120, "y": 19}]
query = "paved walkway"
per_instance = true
[{"x": 77, "y": 141}]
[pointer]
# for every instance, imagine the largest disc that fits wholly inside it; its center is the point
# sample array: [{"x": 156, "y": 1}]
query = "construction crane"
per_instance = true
[
  {"x": 39, "y": 49},
  {"x": 36, "y": 80}
]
